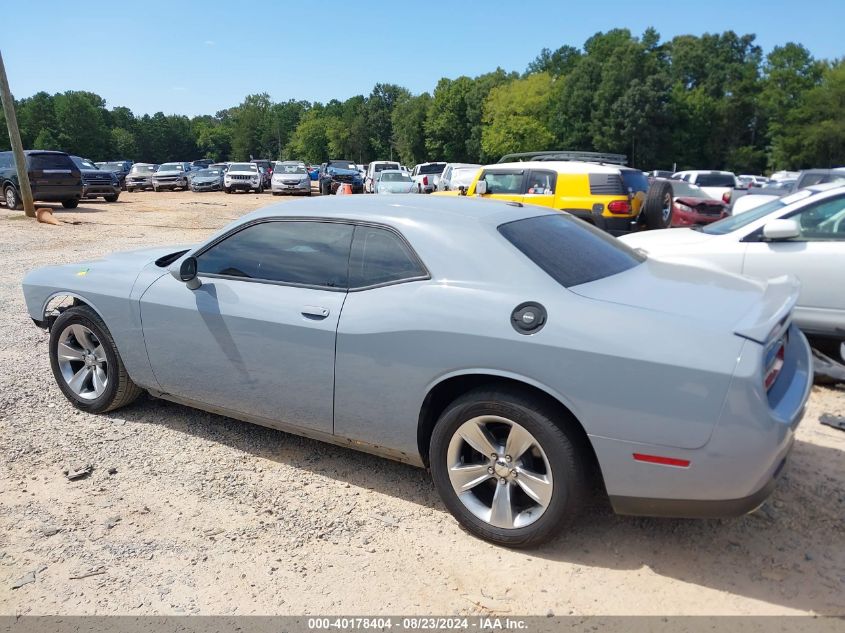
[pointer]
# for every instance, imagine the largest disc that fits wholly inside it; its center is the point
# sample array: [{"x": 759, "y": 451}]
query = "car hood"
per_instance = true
[
  {"x": 338, "y": 171},
  {"x": 395, "y": 187},
  {"x": 207, "y": 178},
  {"x": 663, "y": 240},
  {"x": 750, "y": 308},
  {"x": 174, "y": 172},
  {"x": 693, "y": 201},
  {"x": 242, "y": 173}
]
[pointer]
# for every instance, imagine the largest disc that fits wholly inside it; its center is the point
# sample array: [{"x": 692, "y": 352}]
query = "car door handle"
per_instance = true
[{"x": 315, "y": 312}]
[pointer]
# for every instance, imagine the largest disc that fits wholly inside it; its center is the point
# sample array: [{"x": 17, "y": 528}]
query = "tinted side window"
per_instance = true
[
  {"x": 308, "y": 253},
  {"x": 823, "y": 221},
  {"x": 571, "y": 251},
  {"x": 380, "y": 256},
  {"x": 7, "y": 161}
]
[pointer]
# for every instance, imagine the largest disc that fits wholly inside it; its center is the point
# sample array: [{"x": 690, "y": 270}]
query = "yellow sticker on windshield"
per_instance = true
[{"x": 83, "y": 272}]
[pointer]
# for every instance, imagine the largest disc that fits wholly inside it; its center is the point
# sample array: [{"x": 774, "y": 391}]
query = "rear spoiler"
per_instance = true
[{"x": 772, "y": 315}]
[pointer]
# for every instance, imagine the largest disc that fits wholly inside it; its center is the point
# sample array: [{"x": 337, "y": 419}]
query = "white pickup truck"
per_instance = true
[{"x": 426, "y": 176}]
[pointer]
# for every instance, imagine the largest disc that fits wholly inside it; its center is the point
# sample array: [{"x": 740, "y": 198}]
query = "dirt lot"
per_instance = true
[{"x": 187, "y": 512}]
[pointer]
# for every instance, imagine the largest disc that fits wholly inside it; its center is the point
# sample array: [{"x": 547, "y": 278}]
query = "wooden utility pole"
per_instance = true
[{"x": 15, "y": 138}]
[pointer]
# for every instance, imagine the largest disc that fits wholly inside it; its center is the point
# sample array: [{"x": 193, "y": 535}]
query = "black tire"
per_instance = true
[
  {"x": 12, "y": 198},
  {"x": 565, "y": 454},
  {"x": 120, "y": 390},
  {"x": 111, "y": 198},
  {"x": 70, "y": 204},
  {"x": 657, "y": 209},
  {"x": 130, "y": 190}
]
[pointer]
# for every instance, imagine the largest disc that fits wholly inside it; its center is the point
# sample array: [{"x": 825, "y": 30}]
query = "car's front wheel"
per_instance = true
[
  {"x": 86, "y": 363},
  {"x": 509, "y": 469},
  {"x": 70, "y": 204},
  {"x": 111, "y": 198}
]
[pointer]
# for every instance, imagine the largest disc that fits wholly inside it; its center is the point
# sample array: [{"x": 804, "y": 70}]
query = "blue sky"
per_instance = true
[{"x": 190, "y": 57}]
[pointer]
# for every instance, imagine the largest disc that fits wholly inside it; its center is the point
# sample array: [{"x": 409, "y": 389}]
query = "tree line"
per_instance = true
[{"x": 710, "y": 101}]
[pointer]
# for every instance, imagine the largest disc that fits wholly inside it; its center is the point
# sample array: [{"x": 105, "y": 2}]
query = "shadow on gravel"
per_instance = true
[{"x": 788, "y": 553}]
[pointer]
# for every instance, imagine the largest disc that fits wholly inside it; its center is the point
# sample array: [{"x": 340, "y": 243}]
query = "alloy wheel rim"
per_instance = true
[
  {"x": 500, "y": 472},
  {"x": 10, "y": 198},
  {"x": 667, "y": 208},
  {"x": 82, "y": 362}
]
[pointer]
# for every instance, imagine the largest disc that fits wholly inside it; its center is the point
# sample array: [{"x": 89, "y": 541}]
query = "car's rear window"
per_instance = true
[
  {"x": 715, "y": 180},
  {"x": 634, "y": 180},
  {"x": 433, "y": 168},
  {"x": 571, "y": 251},
  {"x": 50, "y": 161}
]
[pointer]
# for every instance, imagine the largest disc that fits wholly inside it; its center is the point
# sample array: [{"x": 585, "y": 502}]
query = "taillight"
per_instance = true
[
  {"x": 619, "y": 206},
  {"x": 726, "y": 197},
  {"x": 774, "y": 363},
  {"x": 425, "y": 180}
]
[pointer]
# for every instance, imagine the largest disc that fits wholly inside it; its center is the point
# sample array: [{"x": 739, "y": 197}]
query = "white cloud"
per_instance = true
[{"x": 210, "y": 42}]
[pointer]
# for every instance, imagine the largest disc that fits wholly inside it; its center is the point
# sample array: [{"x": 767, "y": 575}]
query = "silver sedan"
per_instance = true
[{"x": 521, "y": 355}]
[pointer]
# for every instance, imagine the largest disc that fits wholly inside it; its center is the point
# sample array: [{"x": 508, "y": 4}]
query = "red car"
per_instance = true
[{"x": 691, "y": 206}]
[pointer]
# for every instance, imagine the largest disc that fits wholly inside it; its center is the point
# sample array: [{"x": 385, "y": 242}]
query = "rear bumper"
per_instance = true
[
  {"x": 56, "y": 193},
  {"x": 621, "y": 225},
  {"x": 737, "y": 468},
  {"x": 700, "y": 508}
]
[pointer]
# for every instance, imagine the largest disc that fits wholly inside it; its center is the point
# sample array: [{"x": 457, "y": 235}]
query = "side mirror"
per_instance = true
[
  {"x": 781, "y": 230},
  {"x": 481, "y": 187},
  {"x": 187, "y": 273}
]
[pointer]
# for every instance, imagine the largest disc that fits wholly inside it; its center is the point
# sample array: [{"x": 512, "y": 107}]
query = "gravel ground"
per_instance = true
[{"x": 188, "y": 512}]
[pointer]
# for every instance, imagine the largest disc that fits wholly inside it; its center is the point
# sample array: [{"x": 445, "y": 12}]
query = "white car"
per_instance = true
[
  {"x": 243, "y": 177},
  {"x": 457, "y": 175},
  {"x": 373, "y": 170},
  {"x": 716, "y": 184},
  {"x": 802, "y": 234}
]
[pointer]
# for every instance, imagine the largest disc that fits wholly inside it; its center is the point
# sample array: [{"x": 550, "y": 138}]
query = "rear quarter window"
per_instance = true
[
  {"x": 571, "y": 251},
  {"x": 634, "y": 181}
]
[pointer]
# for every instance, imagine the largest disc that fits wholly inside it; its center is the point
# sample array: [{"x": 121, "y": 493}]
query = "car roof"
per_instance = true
[
  {"x": 704, "y": 171},
  {"x": 443, "y": 212},
  {"x": 562, "y": 166}
]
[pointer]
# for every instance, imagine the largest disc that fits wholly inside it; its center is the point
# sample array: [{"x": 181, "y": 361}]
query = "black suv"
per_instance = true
[
  {"x": 337, "y": 172},
  {"x": 97, "y": 183},
  {"x": 53, "y": 177}
]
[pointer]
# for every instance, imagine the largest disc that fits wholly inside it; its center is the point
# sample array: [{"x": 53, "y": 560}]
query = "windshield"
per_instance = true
[
  {"x": 282, "y": 168},
  {"x": 111, "y": 166},
  {"x": 382, "y": 166},
  {"x": 342, "y": 164},
  {"x": 734, "y": 222},
  {"x": 433, "y": 168},
  {"x": 142, "y": 169},
  {"x": 394, "y": 177},
  {"x": 171, "y": 167},
  {"x": 715, "y": 180},
  {"x": 243, "y": 167},
  {"x": 209, "y": 173},
  {"x": 84, "y": 163}
]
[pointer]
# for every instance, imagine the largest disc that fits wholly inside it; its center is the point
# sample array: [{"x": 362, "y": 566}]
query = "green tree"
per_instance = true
[
  {"x": 557, "y": 63},
  {"x": 123, "y": 144},
  {"x": 310, "y": 141},
  {"x": 80, "y": 124},
  {"x": 447, "y": 128},
  {"x": 379, "y": 111},
  {"x": 250, "y": 127},
  {"x": 409, "y": 118},
  {"x": 516, "y": 116}
]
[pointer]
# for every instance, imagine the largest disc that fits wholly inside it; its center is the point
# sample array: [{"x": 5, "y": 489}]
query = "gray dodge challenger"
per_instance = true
[{"x": 523, "y": 356}]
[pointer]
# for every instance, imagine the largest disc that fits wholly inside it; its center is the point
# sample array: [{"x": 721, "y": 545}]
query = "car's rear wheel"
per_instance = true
[
  {"x": 70, "y": 204},
  {"x": 86, "y": 363},
  {"x": 657, "y": 208},
  {"x": 130, "y": 190},
  {"x": 13, "y": 200},
  {"x": 507, "y": 467},
  {"x": 111, "y": 198}
]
